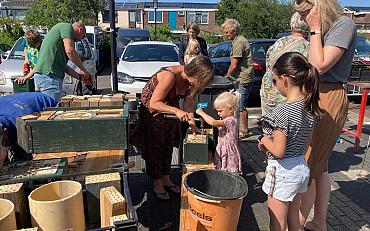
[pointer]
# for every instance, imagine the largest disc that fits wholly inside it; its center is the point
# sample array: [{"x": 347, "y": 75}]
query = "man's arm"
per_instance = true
[
  {"x": 232, "y": 67},
  {"x": 73, "y": 74},
  {"x": 72, "y": 55}
]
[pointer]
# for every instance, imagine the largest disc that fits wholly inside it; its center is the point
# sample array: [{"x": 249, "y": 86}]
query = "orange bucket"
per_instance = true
[{"x": 214, "y": 199}]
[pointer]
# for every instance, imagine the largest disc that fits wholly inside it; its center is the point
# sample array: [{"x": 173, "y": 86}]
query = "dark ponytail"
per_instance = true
[
  {"x": 304, "y": 75},
  {"x": 311, "y": 87}
]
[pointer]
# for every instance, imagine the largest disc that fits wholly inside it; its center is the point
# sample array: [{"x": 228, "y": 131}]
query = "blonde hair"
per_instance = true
[
  {"x": 228, "y": 99},
  {"x": 330, "y": 11},
  {"x": 191, "y": 48},
  {"x": 202, "y": 69},
  {"x": 231, "y": 25}
]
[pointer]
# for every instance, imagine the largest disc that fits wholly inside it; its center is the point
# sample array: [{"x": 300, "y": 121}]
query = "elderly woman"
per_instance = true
[
  {"x": 192, "y": 31},
  {"x": 332, "y": 46},
  {"x": 155, "y": 135},
  {"x": 270, "y": 97}
]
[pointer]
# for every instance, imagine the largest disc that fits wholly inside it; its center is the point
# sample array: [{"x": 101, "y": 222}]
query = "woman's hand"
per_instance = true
[
  {"x": 314, "y": 19},
  {"x": 183, "y": 115}
]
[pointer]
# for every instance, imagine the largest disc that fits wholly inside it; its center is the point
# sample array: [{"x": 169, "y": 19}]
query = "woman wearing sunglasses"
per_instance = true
[{"x": 332, "y": 45}]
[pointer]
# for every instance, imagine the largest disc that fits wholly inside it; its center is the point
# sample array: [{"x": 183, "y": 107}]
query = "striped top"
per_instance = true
[{"x": 295, "y": 122}]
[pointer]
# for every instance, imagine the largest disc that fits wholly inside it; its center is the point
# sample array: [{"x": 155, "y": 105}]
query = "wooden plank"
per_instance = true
[
  {"x": 45, "y": 115},
  {"x": 93, "y": 185},
  {"x": 28, "y": 229},
  {"x": 94, "y": 161},
  {"x": 188, "y": 168},
  {"x": 15, "y": 193},
  {"x": 112, "y": 203}
]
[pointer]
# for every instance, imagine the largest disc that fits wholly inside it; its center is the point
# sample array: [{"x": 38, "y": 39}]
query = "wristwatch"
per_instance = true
[{"x": 315, "y": 32}]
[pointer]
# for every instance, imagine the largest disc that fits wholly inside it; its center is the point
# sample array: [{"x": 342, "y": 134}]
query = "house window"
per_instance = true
[
  {"x": 106, "y": 16},
  {"x": 198, "y": 17},
  {"x": 138, "y": 16},
  {"x": 151, "y": 17}
]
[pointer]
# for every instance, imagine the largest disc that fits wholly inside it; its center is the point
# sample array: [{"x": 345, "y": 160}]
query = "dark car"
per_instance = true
[{"x": 220, "y": 57}]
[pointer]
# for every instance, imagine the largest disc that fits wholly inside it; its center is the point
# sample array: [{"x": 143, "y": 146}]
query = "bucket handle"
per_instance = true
[{"x": 203, "y": 199}]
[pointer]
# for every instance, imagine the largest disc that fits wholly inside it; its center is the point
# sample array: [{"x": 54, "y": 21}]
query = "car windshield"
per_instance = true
[
  {"x": 150, "y": 52},
  {"x": 17, "y": 51},
  {"x": 363, "y": 47},
  {"x": 124, "y": 40}
]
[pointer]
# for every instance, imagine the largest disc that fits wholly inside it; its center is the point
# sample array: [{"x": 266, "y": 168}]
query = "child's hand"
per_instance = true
[{"x": 199, "y": 111}]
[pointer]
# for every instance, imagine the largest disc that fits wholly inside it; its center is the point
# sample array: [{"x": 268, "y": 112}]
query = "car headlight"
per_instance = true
[
  {"x": 2, "y": 78},
  {"x": 124, "y": 78}
]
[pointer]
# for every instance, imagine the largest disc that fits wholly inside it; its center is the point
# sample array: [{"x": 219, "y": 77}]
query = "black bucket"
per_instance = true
[{"x": 215, "y": 184}]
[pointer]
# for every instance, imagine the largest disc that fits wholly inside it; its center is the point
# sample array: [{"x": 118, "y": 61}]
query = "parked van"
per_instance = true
[
  {"x": 95, "y": 36},
  {"x": 126, "y": 35}
]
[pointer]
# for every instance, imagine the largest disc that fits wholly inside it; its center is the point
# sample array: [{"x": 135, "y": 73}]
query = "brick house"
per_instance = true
[{"x": 174, "y": 14}]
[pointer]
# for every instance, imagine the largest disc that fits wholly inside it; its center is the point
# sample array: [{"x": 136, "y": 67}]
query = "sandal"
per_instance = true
[
  {"x": 174, "y": 189},
  {"x": 243, "y": 135},
  {"x": 162, "y": 196}
]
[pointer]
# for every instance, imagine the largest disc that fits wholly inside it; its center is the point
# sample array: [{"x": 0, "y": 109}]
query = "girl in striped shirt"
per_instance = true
[{"x": 286, "y": 131}]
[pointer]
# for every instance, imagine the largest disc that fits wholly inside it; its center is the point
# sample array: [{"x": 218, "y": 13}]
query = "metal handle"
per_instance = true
[
  {"x": 203, "y": 199},
  {"x": 169, "y": 116}
]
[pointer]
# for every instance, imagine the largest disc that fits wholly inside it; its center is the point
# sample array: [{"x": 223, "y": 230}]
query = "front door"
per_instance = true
[{"x": 172, "y": 20}]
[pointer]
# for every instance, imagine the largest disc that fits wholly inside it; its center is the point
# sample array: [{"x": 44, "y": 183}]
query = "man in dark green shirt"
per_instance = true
[
  {"x": 57, "y": 47},
  {"x": 241, "y": 68}
]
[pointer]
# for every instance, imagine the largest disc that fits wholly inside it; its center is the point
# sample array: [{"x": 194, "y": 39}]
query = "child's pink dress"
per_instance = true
[{"x": 227, "y": 152}]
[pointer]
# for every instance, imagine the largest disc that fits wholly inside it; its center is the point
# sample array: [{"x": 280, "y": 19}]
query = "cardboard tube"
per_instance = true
[
  {"x": 7, "y": 215},
  {"x": 57, "y": 206}
]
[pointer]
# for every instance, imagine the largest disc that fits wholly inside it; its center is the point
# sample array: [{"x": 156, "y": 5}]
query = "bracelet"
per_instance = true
[{"x": 315, "y": 32}]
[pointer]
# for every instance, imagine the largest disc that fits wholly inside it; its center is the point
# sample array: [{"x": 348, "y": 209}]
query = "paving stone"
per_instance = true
[{"x": 349, "y": 223}]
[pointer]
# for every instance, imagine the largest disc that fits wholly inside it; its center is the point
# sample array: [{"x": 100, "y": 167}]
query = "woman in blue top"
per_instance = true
[{"x": 286, "y": 131}]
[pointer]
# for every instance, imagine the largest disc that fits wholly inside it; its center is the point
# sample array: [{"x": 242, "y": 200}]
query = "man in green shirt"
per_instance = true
[
  {"x": 57, "y": 47},
  {"x": 241, "y": 68}
]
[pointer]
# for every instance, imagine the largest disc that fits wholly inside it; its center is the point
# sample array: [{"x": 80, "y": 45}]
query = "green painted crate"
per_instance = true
[
  {"x": 28, "y": 86},
  {"x": 195, "y": 153},
  {"x": 73, "y": 135}
]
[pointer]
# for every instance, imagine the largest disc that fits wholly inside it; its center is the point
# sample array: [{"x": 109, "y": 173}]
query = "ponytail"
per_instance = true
[
  {"x": 304, "y": 75},
  {"x": 311, "y": 89}
]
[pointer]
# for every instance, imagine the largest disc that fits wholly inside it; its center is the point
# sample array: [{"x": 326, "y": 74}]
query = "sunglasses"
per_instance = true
[{"x": 274, "y": 80}]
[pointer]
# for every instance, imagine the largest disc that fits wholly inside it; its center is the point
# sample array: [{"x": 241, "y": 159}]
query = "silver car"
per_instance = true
[{"x": 12, "y": 67}]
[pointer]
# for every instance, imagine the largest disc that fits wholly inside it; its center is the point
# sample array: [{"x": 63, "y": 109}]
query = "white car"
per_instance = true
[
  {"x": 140, "y": 60},
  {"x": 12, "y": 67}
]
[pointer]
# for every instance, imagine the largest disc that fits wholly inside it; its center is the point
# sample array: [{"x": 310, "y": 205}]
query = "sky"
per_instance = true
[{"x": 341, "y": 2}]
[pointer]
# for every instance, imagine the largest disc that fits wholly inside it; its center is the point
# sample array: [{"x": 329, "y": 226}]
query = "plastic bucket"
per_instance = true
[
  {"x": 7, "y": 215},
  {"x": 57, "y": 206},
  {"x": 214, "y": 198}
]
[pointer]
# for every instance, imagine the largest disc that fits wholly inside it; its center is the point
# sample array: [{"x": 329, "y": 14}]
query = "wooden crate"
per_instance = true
[
  {"x": 195, "y": 153},
  {"x": 73, "y": 135}
]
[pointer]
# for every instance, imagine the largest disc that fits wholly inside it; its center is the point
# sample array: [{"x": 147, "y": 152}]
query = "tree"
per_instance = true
[
  {"x": 10, "y": 31},
  {"x": 163, "y": 33},
  {"x": 211, "y": 38},
  {"x": 258, "y": 18},
  {"x": 47, "y": 13}
]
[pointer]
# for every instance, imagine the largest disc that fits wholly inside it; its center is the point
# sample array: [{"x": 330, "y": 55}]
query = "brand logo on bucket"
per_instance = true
[{"x": 203, "y": 216}]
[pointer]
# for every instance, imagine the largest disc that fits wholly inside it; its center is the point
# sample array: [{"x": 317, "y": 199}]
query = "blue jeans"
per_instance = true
[
  {"x": 244, "y": 90},
  {"x": 50, "y": 85}
]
